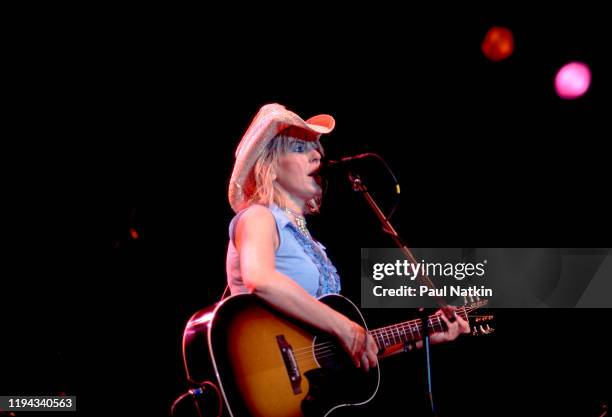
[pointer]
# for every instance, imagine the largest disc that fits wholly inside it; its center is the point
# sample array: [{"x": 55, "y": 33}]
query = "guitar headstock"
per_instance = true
[{"x": 480, "y": 322}]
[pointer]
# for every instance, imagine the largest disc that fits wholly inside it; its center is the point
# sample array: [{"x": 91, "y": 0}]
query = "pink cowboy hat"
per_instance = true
[{"x": 269, "y": 122}]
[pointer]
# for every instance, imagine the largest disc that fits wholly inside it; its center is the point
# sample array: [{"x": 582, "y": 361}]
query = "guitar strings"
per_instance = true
[
  {"x": 326, "y": 349},
  {"x": 323, "y": 353},
  {"x": 388, "y": 334},
  {"x": 319, "y": 349}
]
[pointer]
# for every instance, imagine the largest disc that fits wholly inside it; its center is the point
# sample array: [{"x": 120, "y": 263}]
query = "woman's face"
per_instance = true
[{"x": 295, "y": 169}]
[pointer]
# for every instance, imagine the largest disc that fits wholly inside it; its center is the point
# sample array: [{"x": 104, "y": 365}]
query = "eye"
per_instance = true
[{"x": 299, "y": 147}]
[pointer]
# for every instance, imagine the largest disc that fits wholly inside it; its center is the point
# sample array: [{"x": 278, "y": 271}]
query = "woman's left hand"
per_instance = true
[{"x": 455, "y": 325}]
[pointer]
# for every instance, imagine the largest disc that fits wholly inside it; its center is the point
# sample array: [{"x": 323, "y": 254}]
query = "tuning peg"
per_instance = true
[{"x": 486, "y": 329}]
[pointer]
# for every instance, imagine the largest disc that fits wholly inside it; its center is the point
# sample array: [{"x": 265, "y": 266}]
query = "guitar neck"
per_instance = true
[{"x": 410, "y": 331}]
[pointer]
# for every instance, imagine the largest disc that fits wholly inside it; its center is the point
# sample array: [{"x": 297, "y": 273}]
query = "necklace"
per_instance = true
[{"x": 300, "y": 221}]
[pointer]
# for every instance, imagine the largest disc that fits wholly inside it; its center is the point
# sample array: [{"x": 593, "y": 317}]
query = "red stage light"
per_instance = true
[
  {"x": 498, "y": 44},
  {"x": 133, "y": 233}
]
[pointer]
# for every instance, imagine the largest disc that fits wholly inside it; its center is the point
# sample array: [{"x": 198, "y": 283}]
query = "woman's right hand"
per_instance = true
[{"x": 358, "y": 343}]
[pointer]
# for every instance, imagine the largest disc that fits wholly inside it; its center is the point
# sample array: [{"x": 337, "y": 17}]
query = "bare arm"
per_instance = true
[{"x": 256, "y": 240}]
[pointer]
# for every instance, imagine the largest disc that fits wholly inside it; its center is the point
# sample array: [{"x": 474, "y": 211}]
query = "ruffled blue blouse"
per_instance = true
[{"x": 298, "y": 256}]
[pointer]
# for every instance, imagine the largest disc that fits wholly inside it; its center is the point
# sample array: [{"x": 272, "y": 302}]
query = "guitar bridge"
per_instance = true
[{"x": 295, "y": 378}]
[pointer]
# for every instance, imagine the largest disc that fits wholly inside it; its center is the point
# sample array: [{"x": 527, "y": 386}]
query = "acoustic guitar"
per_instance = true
[{"x": 269, "y": 365}]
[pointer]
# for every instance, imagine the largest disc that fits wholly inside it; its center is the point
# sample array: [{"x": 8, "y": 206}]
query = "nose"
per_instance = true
[{"x": 315, "y": 156}]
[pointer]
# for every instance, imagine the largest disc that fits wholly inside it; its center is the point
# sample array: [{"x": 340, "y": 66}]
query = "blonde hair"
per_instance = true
[{"x": 262, "y": 189}]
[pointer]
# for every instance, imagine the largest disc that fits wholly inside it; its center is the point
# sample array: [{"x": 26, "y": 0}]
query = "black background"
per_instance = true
[{"x": 130, "y": 120}]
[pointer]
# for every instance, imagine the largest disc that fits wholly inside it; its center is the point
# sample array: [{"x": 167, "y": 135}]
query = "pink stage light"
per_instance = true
[{"x": 572, "y": 80}]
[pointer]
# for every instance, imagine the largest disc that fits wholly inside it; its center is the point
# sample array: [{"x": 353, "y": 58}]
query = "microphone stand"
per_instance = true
[
  {"x": 425, "y": 336},
  {"x": 359, "y": 186}
]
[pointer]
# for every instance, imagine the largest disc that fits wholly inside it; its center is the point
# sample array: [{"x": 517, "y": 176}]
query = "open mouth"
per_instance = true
[{"x": 316, "y": 175}]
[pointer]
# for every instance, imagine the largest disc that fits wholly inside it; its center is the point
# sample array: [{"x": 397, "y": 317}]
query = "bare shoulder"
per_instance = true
[
  {"x": 257, "y": 224},
  {"x": 257, "y": 214}
]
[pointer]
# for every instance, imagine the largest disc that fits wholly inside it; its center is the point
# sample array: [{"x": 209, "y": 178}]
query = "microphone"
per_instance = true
[
  {"x": 327, "y": 166},
  {"x": 331, "y": 164},
  {"x": 346, "y": 159}
]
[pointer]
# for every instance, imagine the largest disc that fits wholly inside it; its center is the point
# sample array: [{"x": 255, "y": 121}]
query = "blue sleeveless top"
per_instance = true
[{"x": 299, "y": 257}]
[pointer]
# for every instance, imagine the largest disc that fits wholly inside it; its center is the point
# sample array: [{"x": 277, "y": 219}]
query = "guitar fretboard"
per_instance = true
[{"x": 410, "y": 331}]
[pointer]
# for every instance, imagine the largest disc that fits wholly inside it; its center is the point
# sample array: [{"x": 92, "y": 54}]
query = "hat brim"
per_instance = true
[{"x": 322, "y": 124}]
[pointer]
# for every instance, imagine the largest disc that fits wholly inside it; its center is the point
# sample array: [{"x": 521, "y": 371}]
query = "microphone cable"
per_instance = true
[
  {"x": 196, "y": 393},
  {"x": 389, "y": 170}
]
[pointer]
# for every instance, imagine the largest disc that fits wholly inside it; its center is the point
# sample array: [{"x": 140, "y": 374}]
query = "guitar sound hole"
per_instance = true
[{"x": 329, "y": 354}]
